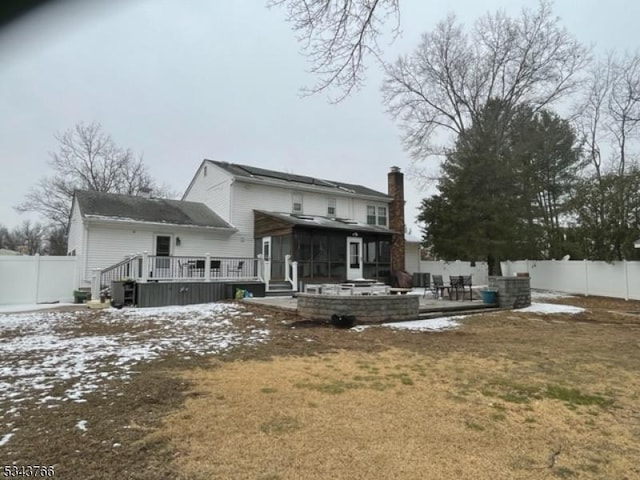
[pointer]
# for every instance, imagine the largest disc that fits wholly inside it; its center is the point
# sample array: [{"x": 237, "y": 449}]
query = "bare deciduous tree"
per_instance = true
[
  {"x": 87, "y": 159},
  {"x": 30, "y": 237},
  {"x": 338, "y": 36},
  {"x": 443, "y": 86},
  {"x": 624, "y": 106},
  {"x": 609, "y": 117}
]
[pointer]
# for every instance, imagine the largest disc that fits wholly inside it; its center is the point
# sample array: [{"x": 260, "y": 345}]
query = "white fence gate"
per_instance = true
[
  {"x": 37, "y": 279},
  {"x": 582, "y": 277}
]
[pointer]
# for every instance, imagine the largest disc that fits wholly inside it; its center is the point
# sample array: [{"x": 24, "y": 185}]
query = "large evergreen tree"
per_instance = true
[{"x": 504, "y": 188}]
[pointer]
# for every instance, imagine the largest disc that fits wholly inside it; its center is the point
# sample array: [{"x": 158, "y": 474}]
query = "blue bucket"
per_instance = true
[{"x": 489, "y": 296}]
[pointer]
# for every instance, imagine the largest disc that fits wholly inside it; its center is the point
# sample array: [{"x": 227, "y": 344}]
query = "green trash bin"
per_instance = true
[{"x": 80, "y": 296}]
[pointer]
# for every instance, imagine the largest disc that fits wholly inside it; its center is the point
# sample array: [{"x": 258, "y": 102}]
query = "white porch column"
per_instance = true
[
  {"x": 260, "y": 267},
  {"x": 144, "y": 275},
  {"x": 287, "y": 265},
  {"x": 207, "y": 267},
  {"x": 95, "y": 284},
  {"x": 294, "y": 277}
]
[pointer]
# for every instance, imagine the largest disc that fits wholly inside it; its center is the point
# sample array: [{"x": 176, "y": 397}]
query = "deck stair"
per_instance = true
[{"x": 279, "y": 288}]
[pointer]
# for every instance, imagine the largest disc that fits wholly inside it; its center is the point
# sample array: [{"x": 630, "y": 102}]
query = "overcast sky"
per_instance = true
[{"x": 183, "y": 80}]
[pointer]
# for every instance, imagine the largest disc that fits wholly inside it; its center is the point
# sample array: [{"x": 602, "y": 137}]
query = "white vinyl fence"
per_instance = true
[
  {"x": 479, "y": 273},
  {"x": 37, "y": 279},
  {"x": 583, "y": 277}
]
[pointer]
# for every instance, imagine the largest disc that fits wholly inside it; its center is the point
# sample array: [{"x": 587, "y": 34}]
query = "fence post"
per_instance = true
[
  {"x": 37, "y": 289},
  {"x": 626, "y": 279},
  {"x": 586, "y": 277},
  {"x": 207, "y": 267},
  {"x": 144, "y": 275},
  {"x": 95, "y": 284}
]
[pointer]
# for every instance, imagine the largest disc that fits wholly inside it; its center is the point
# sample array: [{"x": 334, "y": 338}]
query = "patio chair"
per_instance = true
[
  {"x": 438, "y": 287},
  {"x": 456, "y": 283},
  {"x": 421, "y": 280},
  {"x": 237, "y": 270},
  {"x": 466, "y": 284},
  {"x": 215, "y": 267},
  {"x": 199, "y": 268}
]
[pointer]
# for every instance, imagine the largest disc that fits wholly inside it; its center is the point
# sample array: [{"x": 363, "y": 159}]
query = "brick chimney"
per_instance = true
[{"x": 396, "y": 217}]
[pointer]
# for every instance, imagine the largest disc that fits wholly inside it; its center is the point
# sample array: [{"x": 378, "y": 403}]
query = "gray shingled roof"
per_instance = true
[
  {"x": 247, "y": 171},
  {"x": 318, "y": 221},
  {"x": 141, "y": 209}
]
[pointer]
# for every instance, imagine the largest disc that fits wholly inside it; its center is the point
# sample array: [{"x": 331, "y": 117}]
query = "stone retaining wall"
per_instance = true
[
  {"x": 513, "y": 292},
  {"x": 366, "y": 308}
]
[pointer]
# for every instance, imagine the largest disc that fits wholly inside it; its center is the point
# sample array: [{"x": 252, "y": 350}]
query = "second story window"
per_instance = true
[
  {"x": 296, "y": 199},
  {"x": 382, "y": 216},
  {"x": 371, "y": 215},
  {"x": 331, "y": 207}
]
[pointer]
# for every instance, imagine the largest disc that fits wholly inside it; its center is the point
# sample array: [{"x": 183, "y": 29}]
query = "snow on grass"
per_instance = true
[
  {"x": 431, "y": 325},
  {"x": 547, "y": 308},
  {"x": 82, "y": 425},
  {"x": 539, "y": 294},
  {"x": 75, "y": 353},
  {"x": 5, "y": 439}
]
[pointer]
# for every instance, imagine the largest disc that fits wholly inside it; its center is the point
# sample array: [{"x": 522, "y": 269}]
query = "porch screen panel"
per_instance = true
[
  {"x": 320, "y": 254},
  {"x": 337, "y": 257},
  {"x": 384, "y": 260}
]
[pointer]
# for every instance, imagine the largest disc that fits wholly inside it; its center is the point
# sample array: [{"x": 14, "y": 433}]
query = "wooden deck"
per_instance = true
[{"x": 161, "y": 294}]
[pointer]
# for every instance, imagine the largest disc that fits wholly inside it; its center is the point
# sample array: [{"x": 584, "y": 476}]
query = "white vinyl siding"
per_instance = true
[
  {"x": 109, "y": 244},
  {"x": 76, "y": 231},
  {"x": 212, "y": 189},
  {"x": 248, "y": 196}
]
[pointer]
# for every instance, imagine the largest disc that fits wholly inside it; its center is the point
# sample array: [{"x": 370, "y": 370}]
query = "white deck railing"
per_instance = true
[{"x": 207, "y": 268}]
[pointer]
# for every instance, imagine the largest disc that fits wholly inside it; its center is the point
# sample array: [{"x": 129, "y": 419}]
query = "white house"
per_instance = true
[
  {"x": 106, "y": 227},
  {"x": 334, "y": 231}
]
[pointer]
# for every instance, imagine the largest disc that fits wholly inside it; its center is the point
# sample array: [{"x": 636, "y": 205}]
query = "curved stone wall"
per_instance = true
[{"x": 366, "y": 308}]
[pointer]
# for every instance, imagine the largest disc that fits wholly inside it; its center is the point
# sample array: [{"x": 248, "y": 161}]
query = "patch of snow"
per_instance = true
[
  {"x": 431, "y": 325},
  {"x": 82, "y": 425},
  {"x": 83, "y": 350},
  {"x": 538, "y": 294},
  {"x": 5, "y": 439},
  {"x": 546, "y": 308}
]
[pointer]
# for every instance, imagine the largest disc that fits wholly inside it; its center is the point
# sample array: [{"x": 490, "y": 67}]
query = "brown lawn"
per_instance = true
[{"x": 509, "y": 395}]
